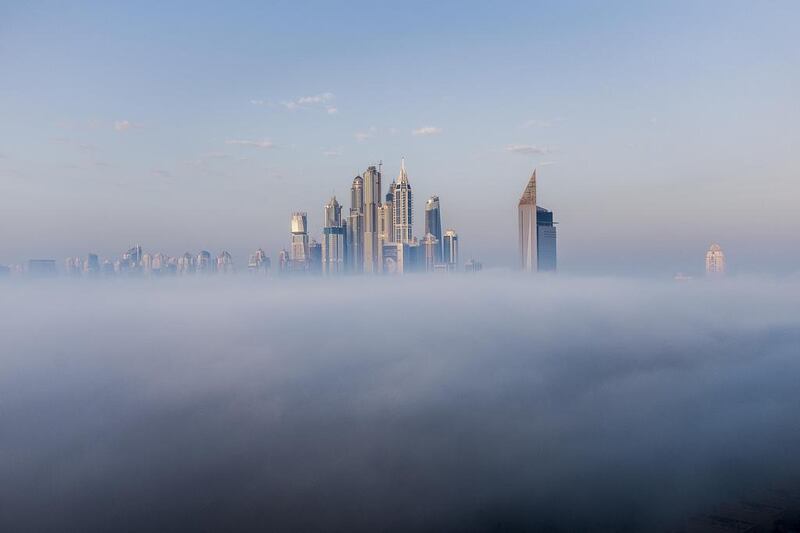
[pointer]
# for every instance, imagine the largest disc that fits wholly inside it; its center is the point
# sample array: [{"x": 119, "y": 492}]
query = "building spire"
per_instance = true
[
  {"x": 529, "y": 194},
  {"x": 403, "y": 178}
]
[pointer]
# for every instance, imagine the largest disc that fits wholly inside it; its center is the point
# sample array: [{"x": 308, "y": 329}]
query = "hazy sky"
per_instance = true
[
  {"x": 656, "y": 129},
  {"x": 211, "y": 405}
]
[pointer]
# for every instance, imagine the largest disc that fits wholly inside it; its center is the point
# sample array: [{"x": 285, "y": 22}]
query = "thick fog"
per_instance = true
[{"x": 464, "y": 403}]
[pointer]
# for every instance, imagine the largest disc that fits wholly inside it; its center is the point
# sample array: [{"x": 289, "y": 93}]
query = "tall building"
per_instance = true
[
  {"x": 715, "y": 261},
  {"x": 528, "y": 251},
  {"x": 545, "y": 240},
  {"x": 203, "y": 264},
  {"x": 224, "y": 263},
  {"x": 433, "y": 222},
  {"x": 333, "y": 239},
  {"x": 403, "y": 207},
  {"x": 450, "y": 249},
  {"x": 355, "y": 226},
  {"x": 299, "y": 249},
  {"x": 314, "y": 257},
  {"x": 92, "y": 265},
  {"x": 372, "y": 202},
  {"x": 284, "y": 262},
  {"x": 473, "y": 266},
  {"x": 186, "y": 264},
  {"x": 385, "y": 216},
  {"x": 258, "y": 262},
  {"x": 431, "y": 249},
  {"x": 42, "y": 268}
]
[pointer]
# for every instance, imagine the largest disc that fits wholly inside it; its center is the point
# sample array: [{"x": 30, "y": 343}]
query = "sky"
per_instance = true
[
  {"x": 216, "y": 404},
  {"x": 656, "y": 129}
]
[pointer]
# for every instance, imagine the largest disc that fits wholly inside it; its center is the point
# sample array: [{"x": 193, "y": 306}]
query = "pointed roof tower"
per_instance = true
[
  {"x": 529, "y": 195},
  {"x": 403, "y": 177}
]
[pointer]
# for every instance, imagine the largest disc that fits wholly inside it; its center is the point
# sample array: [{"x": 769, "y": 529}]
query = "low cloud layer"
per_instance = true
[{"x": 407, "y": 404}]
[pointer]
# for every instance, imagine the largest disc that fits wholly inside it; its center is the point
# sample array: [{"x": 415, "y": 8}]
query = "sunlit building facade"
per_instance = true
[
  {"x": 715, "y": 261},
  {"x": 528, "y": 249}
]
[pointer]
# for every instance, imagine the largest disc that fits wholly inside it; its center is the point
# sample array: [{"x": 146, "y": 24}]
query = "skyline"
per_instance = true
[{"x": 656, "y": 130}]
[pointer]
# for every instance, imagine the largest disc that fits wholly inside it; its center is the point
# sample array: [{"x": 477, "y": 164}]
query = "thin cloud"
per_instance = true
[
  {"x": 334, "y": 152},
  {"x": 332, "y": 110},
  {"x": 122, "y": 125},
  {"x": 362, "y": 136},
  {"x": 263, "y": 143},
  {"x": 426, "y": 131},
  {"x": 307, "y": 102},
  {"x": 528, "y": 149},
  {"x": 258, "y": 102}
]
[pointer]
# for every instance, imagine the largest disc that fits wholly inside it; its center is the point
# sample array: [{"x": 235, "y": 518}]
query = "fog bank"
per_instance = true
[{"x": 455, "y": 403}]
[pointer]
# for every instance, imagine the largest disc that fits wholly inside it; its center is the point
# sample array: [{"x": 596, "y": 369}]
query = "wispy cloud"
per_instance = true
[
  {"x": 426, "y": 131},
  {"x": 263, "y": 143},
  {"x": 159, "y": 173},
  {"x": 332, "y": 110},
  {"x": 257, "y": 101},
  {"x": 528, "y": 149},
  {"x": 332, "y": 152},
  {"x": 307, "y": 102},
  {"x": 541, "y": 123},
  {"x": 122, "y": 125}
]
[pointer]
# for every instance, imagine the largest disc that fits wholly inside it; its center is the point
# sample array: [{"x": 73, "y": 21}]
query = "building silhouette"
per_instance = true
[
  {"x": 403, "y": 207},
  {"x": 433, "y": 222},
  {"x": 545, "y": 240},
  {"x": 715, "y": 261},
  {"x": 528, "y": 249}
]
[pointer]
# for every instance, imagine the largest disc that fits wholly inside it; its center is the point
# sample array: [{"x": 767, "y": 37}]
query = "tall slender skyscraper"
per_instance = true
[
  {"x": 450, "y": 247},
  {"x": 355, "y": 227},
  {"x": 527, "y": 227},
  {"x": 333, "y": 239},
  {"x": 299, "y": 249},
  {"x": 545, "y": 240},
  {"x": 372, "y": 201},
  {"x": 431, "y": 249},
  {"x": 433, "y": 223},
  {"x": 386, "y": 217},
  {"x": 715, "y": 261},
  {"x": 403, "y": 208}
]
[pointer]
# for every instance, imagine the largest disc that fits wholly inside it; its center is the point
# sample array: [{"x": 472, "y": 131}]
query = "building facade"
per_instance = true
[
  {"x": 528, "y": 249},
  {"x": 545, "y": 240}
]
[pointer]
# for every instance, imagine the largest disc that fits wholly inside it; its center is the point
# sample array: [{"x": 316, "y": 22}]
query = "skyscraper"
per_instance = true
[
  {"x": 314, "y": 257},
  {"x": 528, "y": 252},
  {"x": 433, "y": 223},
  {"x": 450, "y": 248},
  {"x": 355, "y": 226},
  {"x": 715, "y": 261},
  {"x": 385, "y": 217},
  {"x": 431, "y": 249},
  {"x": 224, "y": 263},
  {"x": 299, "y": 249},
  {"x": 403, "y": 208},
  {"x": 545, "y": 240},
  {"x": 203, "y": 264},
  {"x": 372, "y": 201},
  {"x": 333, "y": 239},
  {"x": 259, "y": 262},
  {"x": 92, "y": 265}
]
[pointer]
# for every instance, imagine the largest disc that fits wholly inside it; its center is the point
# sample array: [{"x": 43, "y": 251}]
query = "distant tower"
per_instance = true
[
  {"x": 333, "y": 239},
  {"x": 224, "y": 263},
  {"x": 545, "y": 240},
  {"x": 314, "y": 257},
  {"x": 433, "y": 222},
  {"x": 528, "y": 227},
  {"x": 403, "y": 208},
  {"x": 203, "y": 263},
  {"x": 284, "y": 262},
  {"x": 259, "y": 262},
  {"x": 431, "y": 246},
  {"x": 715, "y": 261},
  {"x": 372, "y": 202},
  {"x": 299, "y": 249},
  {"x": 450, "y": 249},
  {"x": 92, "y": 265},
  {"x": 385, "y": 217},
  {"x": 355, "y": 226}
]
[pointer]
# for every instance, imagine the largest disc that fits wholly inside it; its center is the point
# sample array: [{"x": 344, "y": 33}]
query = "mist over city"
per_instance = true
[{"x": 403, "y": 267}]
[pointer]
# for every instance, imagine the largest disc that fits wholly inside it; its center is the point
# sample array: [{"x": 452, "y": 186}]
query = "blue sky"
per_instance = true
[{"x": 656, "y": 129}]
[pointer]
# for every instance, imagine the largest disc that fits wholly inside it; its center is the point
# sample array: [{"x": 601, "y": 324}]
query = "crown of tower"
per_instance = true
[{"x": 529, "y": 194}]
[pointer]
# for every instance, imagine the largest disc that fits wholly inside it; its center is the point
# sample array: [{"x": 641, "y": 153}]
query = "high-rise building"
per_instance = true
[
  {"x": 473, "y": 266},
  {"x": 186, "y": 264},
  {"x": 147, "y": 263},
  {"x": 224, "y": 263},
  {"x": 450, "y": 249},
  {"x": 91, "y": 267},
  {"x": 314, "y": 257},
  {"x": 528, "y": 251},
  {"x": 73, "y": 266},
  {"x": 431, "y": 249},
  {"x": 355, "y": 226},
  {"x": 284, "y": 262},
  {"x": 258, "y": 263},
  {"x": 433, "y": 222},
  {"x": 386, "y": 216},
  {"x": 299, "y": 249},
  {"x": 203, "y": 264},
  {"x": 333, "y": 239},
  {"x": 715, "y": 261},
  {"x": 402, "y": 207},
  {"x": 372, "y": 202},
  {"x": 545, "y": 240}
]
